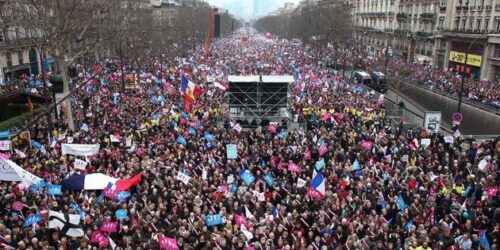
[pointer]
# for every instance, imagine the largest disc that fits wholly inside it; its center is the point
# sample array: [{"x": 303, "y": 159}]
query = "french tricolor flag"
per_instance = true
[
  {"x": 317, "y": 187},
  {"x": 218, "y": 84}
]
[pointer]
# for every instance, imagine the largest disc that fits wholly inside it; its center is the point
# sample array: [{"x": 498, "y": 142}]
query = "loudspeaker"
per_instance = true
[{"x": 217, "y": 26}]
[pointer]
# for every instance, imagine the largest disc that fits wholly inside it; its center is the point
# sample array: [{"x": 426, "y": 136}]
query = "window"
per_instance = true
[
  {"x": 464, "y": 21},
  {"x": 486, "y": 24},
  {"x": 478, "y": 24},
  {"x": 9, "y": 59},
  {"x": 497, "y": 51},
  {"x": 457, "y": 23},
  {"x": 441, "y": 23},
  {"x": 20, "y": 57},
  {"x": 497, "y": 24},
  {"x": 2, "y": 38},
  {"x": 471, "y": 23}
]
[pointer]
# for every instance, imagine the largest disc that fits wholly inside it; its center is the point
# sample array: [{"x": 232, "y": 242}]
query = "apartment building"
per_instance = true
[
  {"x": 469, "y": 27},
  {"x": 18, "y": 47},
  {"x": 405, "y": 26}
]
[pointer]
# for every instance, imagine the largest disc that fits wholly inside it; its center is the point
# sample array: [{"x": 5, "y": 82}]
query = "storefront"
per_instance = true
[{"x": 457, "y": 58}]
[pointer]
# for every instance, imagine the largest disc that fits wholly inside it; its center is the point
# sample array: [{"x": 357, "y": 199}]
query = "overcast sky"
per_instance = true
[{"x": 245, "y": 9}]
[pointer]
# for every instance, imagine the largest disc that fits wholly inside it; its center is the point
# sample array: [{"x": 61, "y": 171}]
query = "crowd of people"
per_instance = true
[{"x": 350, "y": 180}]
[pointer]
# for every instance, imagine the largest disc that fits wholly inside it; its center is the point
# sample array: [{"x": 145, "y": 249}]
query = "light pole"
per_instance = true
[{"x": 462, "y": 81}]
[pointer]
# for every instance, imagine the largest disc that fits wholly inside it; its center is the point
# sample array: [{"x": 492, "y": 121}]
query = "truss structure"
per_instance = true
[{"x": 257, "y": 98}]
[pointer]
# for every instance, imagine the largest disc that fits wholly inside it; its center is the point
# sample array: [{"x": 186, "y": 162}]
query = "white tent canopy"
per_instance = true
[
  {"x": 278, "y": 78},
  {"x": 253, "y": 78}
]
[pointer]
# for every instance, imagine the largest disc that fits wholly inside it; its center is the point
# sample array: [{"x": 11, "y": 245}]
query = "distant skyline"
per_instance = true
[{"x": 245, "y": 8}]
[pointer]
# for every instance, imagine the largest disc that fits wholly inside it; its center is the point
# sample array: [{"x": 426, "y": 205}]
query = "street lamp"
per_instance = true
[{"x": 462, "y": 81}]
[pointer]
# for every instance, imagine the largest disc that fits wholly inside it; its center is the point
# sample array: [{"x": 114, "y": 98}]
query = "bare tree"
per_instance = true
[{"x": 68, "y": 28}]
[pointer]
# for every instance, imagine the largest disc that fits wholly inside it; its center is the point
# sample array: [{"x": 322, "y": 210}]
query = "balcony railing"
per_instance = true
[
  {"x": 401, "y": 16},
  {"x": 442, "y": 8},
  {"x": 427, "y": 15},
  {"x": 423, "y": 34},
  {"x": 19, "y": 42}
]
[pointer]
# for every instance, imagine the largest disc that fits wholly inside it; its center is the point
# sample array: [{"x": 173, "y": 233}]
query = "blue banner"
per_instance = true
[
  {"x": 355, "y": 166},
  {"x": 191, "y": 131},
  {"x": 122, "y": 196},
  {"x": 247, "y": 177},
  {"x": 209, "y": 137},
  {"x": 121, "y": 214},
  {"x": 54, "y": 190},
  {"x": 483, "y": 241},
  {"x": 213, "y": 220},
  {"x": 401, "y": 203},
  {"x": 320, "y": 164},
  {"x": 36, "y": 187},
  {"x": 36, "y": 144},
  {"x": 5, "y": 133},
  {"x": 181, "y": 140},
  {"x": 269, "y": 179},
  {"x": 78, "y": 210},
  {"x": 32, "y": 219}
]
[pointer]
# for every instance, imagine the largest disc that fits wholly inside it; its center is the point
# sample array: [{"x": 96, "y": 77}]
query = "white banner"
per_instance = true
[
  {"x": 80, "y": 149},
  {"x": 79, "y": 164},
  {"x": 183, "y": 178},
  {"x": 10, "y": 171},
  {"x": 4, "y": 145},
  {"x": 432, "y": 121},
  {"x": 301, "y": 183},
  {"x": 113, "y": 138}
]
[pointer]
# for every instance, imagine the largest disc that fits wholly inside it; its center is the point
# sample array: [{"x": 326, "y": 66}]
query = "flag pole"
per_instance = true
[{"x": 209, "y": 35}]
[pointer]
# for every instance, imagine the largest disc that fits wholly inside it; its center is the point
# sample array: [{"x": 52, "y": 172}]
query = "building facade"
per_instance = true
[
  {"x": 472, "y": 28},
  {"x": 19, "y": 47},
  {"x": 405, "y": 26}
]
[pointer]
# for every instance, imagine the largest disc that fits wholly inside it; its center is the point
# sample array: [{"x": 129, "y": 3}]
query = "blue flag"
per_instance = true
[
  {"x": 122, "y": 196},
  {"x": 36, "y": 187},
  {"x": 483, "y": 241},
  {"x": 32, "y": 219},
  {"x": 75, "y": 207},
  {"x": 234, "y": 188},
  {"x": 468, "y": 189},
  {"x": 36, "y": 144},
  {"x": 355, "y": 166},
  {"x": 5, "y": 133},
  {"x": 268, "y": 178},
  {"x": 213, "y": 220},
  {"x": 209, "y": 137},
  {"x": 247, "y": 177},
  {"x": 320, "y": 164},
  {"x": 358, "y": 173},
  {"x": 401, "y": 203},
  {"x": 181, "y": 140},
  {"x": 409, "y": 224},
  {"x": 54, "y": 190},
  {"x": 191, "y": 131}
]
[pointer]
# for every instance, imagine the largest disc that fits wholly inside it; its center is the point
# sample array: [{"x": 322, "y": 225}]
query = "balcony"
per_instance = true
[
  {"x": 488, "y": 8},
  {"x": 423, "y": 34},
  {"x": 497, "y": 6},
  {"x": 427, "y": 16},
  {"x": 442, "y": 8},
  {"x": 17, "y": 43},
  {"x": 401, "y": 16}
]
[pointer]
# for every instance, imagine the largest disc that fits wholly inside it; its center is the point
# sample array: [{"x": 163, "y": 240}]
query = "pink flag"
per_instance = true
[
  {"x": 280, "y": 165},
  {"x": 313, "y": 193},
  {"x": 4, "y": 156},
  {"x": 292, "y": 167},
  {"x": 271, "y": 128},
  {"x": 110, "y": 193},
  {"x": 134, "y": 222},
  {"x": 17, "y": 206},
  {"x": 168, "y": 243},
  {"x": 325, "y": 117},
  {"x": 491, "y": 191},
  {"x": 222, "y": 189},
  {"x": 109, "y": 227},
  {"x": 240, "y": 220},
  {"x": 307, "y": 155},
  {"x": 366, "y": 145},
  {"x": 183, "y": 121},
  {"x": 273, "y": 160},
  {"x": 323, "y": 149},
  {"x": 99, "y": 238}
]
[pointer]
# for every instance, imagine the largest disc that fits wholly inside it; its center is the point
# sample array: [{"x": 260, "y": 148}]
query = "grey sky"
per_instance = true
[{"x": 245, "y": 8}]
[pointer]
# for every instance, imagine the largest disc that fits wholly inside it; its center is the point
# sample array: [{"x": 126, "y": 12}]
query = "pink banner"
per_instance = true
[
  {"x": 168, "y": 243},
  {"x": 271, "y": 128},
  {"x": 314, "y": 194},
  {"x": 99, "y": 238},
  {"x": 307, "y": 155},
  {"x": 323, "y": 149},
  {"x": 17, "y": 206},
  {"x": 280, "y": 165},
  {"x": 240, "y": 220},
  {"x": 325, "y": 117},
  {"x": 292, "y": 167},
  {"x": 109, "y": 227},
  {"x": 110, "y": 194},
  {"x": 366, "y": 145},
  {"x": 273, "y": 161}
]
